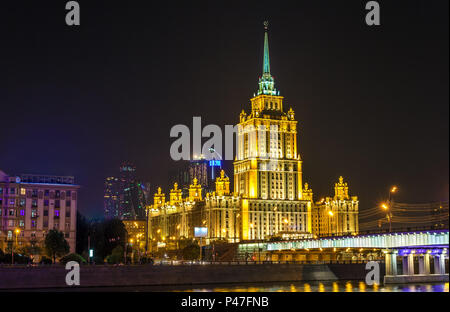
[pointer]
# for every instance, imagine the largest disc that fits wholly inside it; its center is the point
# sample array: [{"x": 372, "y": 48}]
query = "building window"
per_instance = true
[
  {"x": 56, "y": 213},
  {"x": 34, "y": 193},
  {"x": 57, "y": 204},
  {"x": 23, "y": 191},
  {"x": 22, "y": 202},
  {"x": 34, "y": 203},
  {"x": 12, "y": 190},
  {"x": 68, "y": 193},
  {"x": 22, "y": 212},
  {"x": 46, "y": 202},
  {"x": 33, "y": 223},
  {"x": 21, "y": 223},
  {"x": 57, "y": 194},
  {"x": 11, "y": 212},
  {"x": 46, "y": 193},
  {"x": 45, "y": 213},
  {"x": 68, "y": 203}
]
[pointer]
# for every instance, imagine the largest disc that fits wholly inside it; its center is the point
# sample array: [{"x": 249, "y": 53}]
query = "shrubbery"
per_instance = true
[{"x": 72, "y": 257}]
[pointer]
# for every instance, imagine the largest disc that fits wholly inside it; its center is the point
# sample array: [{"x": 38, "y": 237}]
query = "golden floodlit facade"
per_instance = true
[{"x": 269, "y": 198}]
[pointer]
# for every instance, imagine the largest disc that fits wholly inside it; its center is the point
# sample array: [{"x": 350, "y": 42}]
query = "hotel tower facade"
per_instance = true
[{"x": 269, "y": 199}]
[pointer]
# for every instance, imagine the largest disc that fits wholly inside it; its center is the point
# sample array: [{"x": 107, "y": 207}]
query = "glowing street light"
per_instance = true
[
  {"x": 387, "y": 207},
  {"x": 17, "y": 231}
]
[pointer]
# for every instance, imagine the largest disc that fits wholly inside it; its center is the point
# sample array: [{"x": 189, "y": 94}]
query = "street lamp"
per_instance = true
[
  {"x": 389, "y": 214},
  {"x": 330, "y": 215},
  {"x": 132, "y": 250},
  {"x": 17, "y": 231},
  {"x": 388, "y": 206}
]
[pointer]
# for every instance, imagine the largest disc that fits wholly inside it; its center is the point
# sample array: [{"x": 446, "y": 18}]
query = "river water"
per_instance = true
[
  {"x": 325, "y": 286},
  {"x": 338, "y": 286}
]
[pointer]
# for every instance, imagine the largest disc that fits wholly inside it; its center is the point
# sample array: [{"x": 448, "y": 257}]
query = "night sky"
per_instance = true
[{"x": 372, "y": 102}]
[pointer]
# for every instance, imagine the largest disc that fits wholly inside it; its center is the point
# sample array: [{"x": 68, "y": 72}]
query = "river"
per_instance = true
[{"x": 316, "y": 286}]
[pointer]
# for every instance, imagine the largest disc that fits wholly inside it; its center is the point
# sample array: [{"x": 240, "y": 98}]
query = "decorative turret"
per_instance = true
[
  {"x": 159, "y": 199},
  {"x": 222, "y": 184},
  {"x": 341, "y": 189},
  {"x": 175, "y": 195},
  {"x": 195, "y": 191},
  {"x": 291, "y": 114},
  {"x": 307, "y": 193}
]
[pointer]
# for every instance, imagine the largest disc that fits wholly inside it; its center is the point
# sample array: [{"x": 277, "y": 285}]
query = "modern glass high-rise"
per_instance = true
[{"x": 125, "y": 196}]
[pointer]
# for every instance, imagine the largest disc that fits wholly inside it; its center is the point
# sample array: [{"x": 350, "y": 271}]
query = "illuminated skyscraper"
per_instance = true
[
  {"x": 268, "y": 167},
  {"x": 125, "y": 197}
]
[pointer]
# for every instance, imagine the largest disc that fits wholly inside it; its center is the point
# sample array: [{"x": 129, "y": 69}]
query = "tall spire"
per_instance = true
[
  {"x": 266, "y": 65},
  {"x": 266, "y": 82}
]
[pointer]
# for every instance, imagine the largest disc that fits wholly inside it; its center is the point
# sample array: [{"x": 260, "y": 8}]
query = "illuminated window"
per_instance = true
[{"x": 22, "y": 191}]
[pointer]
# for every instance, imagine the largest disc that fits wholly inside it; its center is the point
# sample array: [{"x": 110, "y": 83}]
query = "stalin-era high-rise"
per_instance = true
[{"x": 269, "y": 197}]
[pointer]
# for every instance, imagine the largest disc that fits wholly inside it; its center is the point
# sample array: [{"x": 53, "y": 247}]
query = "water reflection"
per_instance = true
[{"x": 324, "y": 286}]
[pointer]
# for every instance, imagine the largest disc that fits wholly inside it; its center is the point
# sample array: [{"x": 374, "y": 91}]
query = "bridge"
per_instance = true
[
  {"x": 431, "y": 238},
  {"x": 423, "y": 246}
]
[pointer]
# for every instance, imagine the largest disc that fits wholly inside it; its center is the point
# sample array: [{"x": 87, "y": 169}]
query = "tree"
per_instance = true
[
  {"x": 116, "y": 255},
  {"x": 114, "y": 234},
  {"x": 55, "y": 244},
  {"x": 82, "y": 234},
  {"x": 191, "y": 251},
  {"x": 72, "y": 257}
]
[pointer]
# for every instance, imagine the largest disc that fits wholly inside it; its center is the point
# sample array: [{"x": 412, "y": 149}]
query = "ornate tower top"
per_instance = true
[
  {"x": 341, "y": 189},
  {"x": 222, "y": 184},
  {"x": 266, "y": 82}
]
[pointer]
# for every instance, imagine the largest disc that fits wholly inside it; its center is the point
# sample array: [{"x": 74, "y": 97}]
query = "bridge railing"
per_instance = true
[{"x": 386, "y": 231}]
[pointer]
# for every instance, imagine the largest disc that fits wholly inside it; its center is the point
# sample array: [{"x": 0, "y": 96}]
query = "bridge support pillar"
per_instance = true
[
  {"x": 439, "y": 264},
  {"x": 391, "y": 262},
  {"x": 424, "y": 264},
  {"x": 408, "y": 264}
]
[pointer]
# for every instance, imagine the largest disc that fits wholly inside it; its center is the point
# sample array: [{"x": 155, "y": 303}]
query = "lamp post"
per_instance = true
[
  {"x": 330, "y": 215},
  {"x": 388, "y": 214},
  {"x": 388, "y": 206},
  {"x": 132, "y": 250},
  {"x": 274, "y": 217},
  {"x": 17, "y": 231}
]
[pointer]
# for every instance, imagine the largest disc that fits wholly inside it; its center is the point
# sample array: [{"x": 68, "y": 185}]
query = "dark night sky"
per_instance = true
[{"x": 372, "y": 102}]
